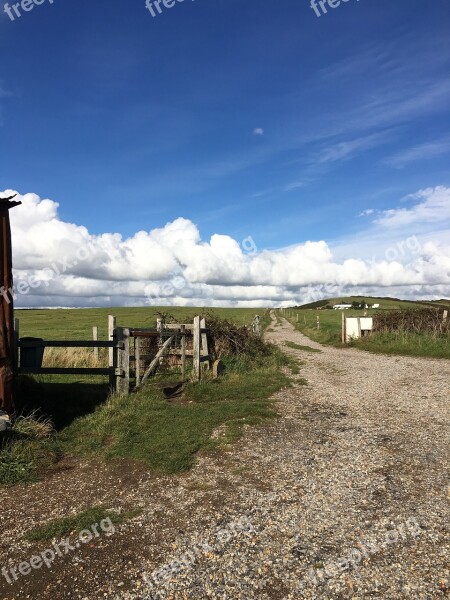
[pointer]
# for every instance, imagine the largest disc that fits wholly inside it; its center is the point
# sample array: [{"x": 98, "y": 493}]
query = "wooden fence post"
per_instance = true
[
  {"x": 183, "y": 352},
  {"x": 343, "y": 328},
  {"x": 95, "y": 338},
  {"x": 204, "y": 351},
  {"x": 196, "y": 349},
  {"x": 122, "y": 360},
  {"x": 111, "y": 327},
  {"x": 137, "y": 359}
]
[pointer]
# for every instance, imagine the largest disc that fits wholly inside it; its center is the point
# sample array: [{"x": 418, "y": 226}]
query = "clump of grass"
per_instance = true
[
  {"x": 33, "y": 426},
  {"x": 295, "y": 346},
  {"x": 60, "y": 528},
  {"x": 27, "y": 449}
]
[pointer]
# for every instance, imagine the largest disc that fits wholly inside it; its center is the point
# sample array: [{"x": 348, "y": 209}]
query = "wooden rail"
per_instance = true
[
  {"x": 117, "y": 371},
  {"x": 120, "y": 357}
]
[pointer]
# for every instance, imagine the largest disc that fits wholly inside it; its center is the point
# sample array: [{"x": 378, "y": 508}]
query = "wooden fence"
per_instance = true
[{"x": 120, "y": 355}]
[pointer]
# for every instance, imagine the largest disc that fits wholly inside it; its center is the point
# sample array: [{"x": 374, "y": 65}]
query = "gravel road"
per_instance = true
[{"x": 346, "y": 495}]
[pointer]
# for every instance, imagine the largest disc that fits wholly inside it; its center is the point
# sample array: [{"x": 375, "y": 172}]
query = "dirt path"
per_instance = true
[{"x": 357, "y": 467}]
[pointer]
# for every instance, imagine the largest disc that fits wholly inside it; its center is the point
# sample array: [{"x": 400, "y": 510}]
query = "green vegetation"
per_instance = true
[
  {"x": 329, "y": 332},
  {"x": 385, "y": 303},
  {"x": 400, "y": 342},
  {"x": 60, "y": 528},
  {"x": 65, "y": 324},
  {"x": 406, "y": 343},
  {"x": 164, "y": 435},
  {"x": 25, "y": 452},
  {"x": 295, "y": 346}
]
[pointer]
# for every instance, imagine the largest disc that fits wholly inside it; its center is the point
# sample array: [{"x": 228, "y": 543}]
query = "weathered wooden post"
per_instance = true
[
  {"x": 111, "y": 327},
  {"x": 137, "y": 359},
  {"x": 95, "y": 338},
  {"x": 343, "y": 328},
  {"x": 196, "y": 349},
  {"x": 122, "y": 360},
  {"x": 256, "y": 327},
  {"x": 318, "y": 322},
  {"x": 204, "y": 343},
  {"x": 183, "y": 352}
]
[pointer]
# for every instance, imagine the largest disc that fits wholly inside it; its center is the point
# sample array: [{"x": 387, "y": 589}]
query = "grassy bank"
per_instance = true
[
  {"x": 164, "y": 434},
  {"x": 406, "y": 343}
]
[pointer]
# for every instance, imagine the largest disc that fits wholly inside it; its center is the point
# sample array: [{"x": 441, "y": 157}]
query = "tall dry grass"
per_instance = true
[{"x": 75, "y": 358}]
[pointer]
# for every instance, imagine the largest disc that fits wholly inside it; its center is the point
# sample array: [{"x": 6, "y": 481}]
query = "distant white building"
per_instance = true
[
  {"x": 375, "y": 306},
  {"x": 342, "y": 306}
]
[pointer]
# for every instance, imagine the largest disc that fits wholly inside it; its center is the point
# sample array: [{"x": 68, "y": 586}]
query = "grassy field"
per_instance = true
[
  {"x": 329, "y": 332},
  {"x": 77, "y": 324},
  {"x": 144, "y": 426}
]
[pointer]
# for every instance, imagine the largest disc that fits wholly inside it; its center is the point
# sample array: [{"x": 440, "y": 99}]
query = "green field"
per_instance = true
[
  {"x": 330, "y": 327},
  {"x": 77, "y": 324}
]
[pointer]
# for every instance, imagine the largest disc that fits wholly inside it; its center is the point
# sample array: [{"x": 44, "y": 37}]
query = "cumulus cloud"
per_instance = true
[{"x": 62, "y": 264}]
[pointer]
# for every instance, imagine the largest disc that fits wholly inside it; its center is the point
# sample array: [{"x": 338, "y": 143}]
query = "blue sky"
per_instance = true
[{"x": 248, "y": 118}]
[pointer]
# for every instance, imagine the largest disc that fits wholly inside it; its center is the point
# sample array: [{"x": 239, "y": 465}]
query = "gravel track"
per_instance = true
[
  {"x": 346, "y": 495},
  {"x": 356, "y": 468}
]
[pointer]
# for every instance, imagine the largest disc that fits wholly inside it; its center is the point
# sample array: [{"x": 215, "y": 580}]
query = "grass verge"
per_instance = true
[
  {"x": 166, "y": 435},
  {"x": 399, "y": 342},
  {"x": 406, "y": 343}
]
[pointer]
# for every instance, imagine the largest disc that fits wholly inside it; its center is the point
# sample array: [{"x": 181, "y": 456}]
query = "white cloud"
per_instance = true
[
  {"x": 367, "y": 212},
  {"x": 258, "y": 131},
  {"x": 173, "y": 265},
  {"x": 433, "y": 207}
]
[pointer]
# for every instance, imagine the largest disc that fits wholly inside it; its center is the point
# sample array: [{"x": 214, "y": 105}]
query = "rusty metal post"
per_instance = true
[{"x": 7, "y": 347}]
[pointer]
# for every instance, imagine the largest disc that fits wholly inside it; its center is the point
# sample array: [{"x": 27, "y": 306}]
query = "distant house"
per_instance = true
[
  {"x": 375, "y": 306},
  {"x": 342, "y": 306}
]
